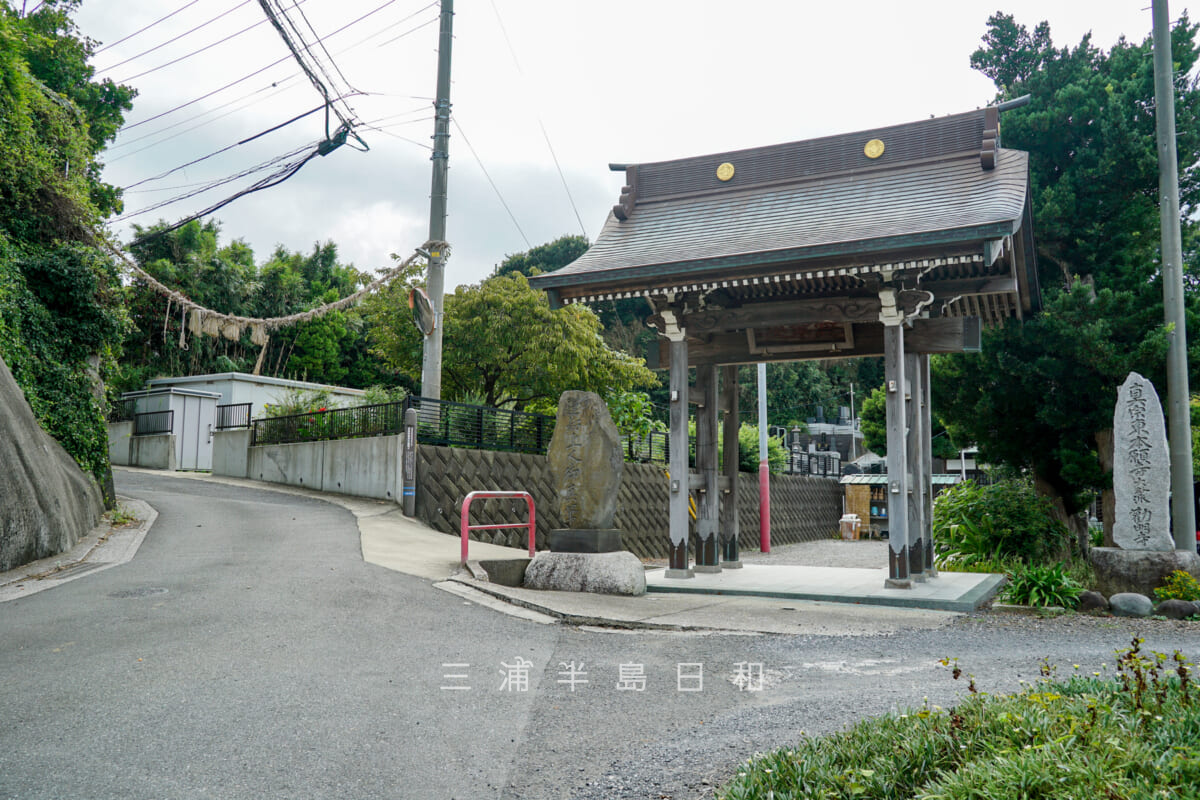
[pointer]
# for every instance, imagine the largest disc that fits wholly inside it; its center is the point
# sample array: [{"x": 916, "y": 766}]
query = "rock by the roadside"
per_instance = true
[
  {"x": 1131, "y": 604},
  {"x": 47, "y": 503},
  {"x": 1175, "y": 609},
  {"x": 1092, "y": 603},
  {"x": 603, "y": 573}
]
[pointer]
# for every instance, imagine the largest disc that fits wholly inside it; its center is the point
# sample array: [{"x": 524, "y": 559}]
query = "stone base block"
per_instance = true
[
  {"x": 602, "y": 573},
  {"x": 1139, "y": 571},
  {"x": 679, "y": 573},
  {"x": 585, "y": 540},
  {"x": 711, "y": 569},
  {"x": 731, "y": 565}
]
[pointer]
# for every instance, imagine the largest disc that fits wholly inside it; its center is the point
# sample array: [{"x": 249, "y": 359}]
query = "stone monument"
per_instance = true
[
  {"x": 585, "y": 458},
  {"x": 587, "y": 463},
  {"x": 1141, "y": 469},
  {"x": 1145, "y": 553}
]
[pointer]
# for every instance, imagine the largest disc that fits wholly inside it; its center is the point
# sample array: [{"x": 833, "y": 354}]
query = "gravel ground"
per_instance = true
[{"x": 823, "y": 684}]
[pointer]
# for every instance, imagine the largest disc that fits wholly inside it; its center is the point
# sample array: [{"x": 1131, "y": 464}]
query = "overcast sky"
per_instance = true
[{"x": 612, "y": 81}]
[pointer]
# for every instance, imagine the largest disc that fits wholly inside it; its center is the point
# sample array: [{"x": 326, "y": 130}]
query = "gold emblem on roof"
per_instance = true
[
  {"x": 725, "y": 172},
  {"x": 874, "y": 148}
]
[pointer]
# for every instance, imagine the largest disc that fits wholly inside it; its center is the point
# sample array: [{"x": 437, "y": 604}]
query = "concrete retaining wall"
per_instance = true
[
  {"x": 359, "y": 467},
  {"x": 231, "y": 453},
  {"x": 119, "y": 434},
  {"x": 152, "y": 452}
]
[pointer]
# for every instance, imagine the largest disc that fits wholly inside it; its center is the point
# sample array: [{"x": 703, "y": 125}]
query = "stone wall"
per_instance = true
[
  {"x": 802, "y": 508},
  {"x": 47, "y": 503}
]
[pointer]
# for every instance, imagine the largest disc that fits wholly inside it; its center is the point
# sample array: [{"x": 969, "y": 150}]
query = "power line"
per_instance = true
[
  {"x": 227, "y": 148},
  {"x": 186, "y": 56},
  {"x": 279, "y": 83},
  {"x": 268, "y": 164},
  {"x": 173, "y": 39},
  {"x": 554, "y": 156},
  {"x": 256, "y": 72},
  {"x": 409, "y": 31},
  {"x": 495, "y": 188},
  {"x": 143, "y": 137},
  {"x": 142, "y": 30}
]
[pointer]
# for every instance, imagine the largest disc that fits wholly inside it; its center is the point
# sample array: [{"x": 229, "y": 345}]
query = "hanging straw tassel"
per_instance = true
[
  {"x": 211, "y": 326},
  {"x": 196, "y": 321},
  {"x": 183, "y": 312},
  {"x": 231, "y": 330},
  {"x": 258, "y": 335}
]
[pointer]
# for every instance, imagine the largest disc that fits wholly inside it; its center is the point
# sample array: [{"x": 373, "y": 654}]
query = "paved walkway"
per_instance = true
[{"x": 759, "y": 598}]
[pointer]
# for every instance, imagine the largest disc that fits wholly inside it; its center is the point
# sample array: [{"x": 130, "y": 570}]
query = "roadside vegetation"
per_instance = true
[{"x": 1132, "y": 734}]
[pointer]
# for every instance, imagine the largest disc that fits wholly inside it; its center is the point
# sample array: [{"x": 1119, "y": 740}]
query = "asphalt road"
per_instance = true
[{"x": 248, "y": 652}]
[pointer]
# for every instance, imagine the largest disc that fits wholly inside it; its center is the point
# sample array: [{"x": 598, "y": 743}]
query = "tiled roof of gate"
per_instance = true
[{"x": 806, "y": 203}]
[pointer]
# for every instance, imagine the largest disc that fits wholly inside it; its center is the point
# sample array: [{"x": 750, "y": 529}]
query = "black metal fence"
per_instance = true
[
  {"x": 438, "y": 422},
  {"x": 122, "y": 410},
  {"x": 655, "y": 448},
  {"x": 234, "y": 415},
  {"x": 153, "y": 422}
]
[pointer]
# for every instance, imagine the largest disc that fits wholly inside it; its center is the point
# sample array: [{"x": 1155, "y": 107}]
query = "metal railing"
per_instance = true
[
  {"x": 233, "y": 415},
  {"x": 465, "y": 518},
  {"x": 122, "y": 410},
  {"x": 655, "y": 448},
  {"x": 153, "y": 422},
  {"x": 438, "y": 423}
]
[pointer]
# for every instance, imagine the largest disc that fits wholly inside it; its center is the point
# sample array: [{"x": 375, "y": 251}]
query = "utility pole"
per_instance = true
[
  {"x": 435, "y": 281},
  {"x": 1183, "y": 511}
]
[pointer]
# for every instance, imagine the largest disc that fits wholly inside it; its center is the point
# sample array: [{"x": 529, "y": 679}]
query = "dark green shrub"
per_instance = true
[
  {"x": 1005, "y": 520},
  {"x": 1034, "y": 585}
]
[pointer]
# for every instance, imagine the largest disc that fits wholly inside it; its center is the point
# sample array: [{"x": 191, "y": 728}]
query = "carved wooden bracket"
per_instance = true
[
  {"x": 623, "y": 210},
  {"x": 991, "y": 138}
]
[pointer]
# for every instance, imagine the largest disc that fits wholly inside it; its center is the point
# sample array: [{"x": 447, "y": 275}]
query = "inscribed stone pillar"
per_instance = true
[
  {"x": 586, "y": 460},
  {"x": 730, "y": 425},
  {"x": 1141, "y": 469},
  {"x": 678, "y": 566},
  {"x": 897, "y": 459},
  {"x": 708, "y": 557}
]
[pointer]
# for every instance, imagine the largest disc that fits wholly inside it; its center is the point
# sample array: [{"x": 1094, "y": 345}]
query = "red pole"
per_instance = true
[{"x": 764, "y": 507}]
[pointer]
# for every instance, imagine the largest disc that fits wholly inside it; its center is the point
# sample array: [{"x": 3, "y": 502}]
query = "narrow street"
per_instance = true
[{"x": 247, "y": 651}]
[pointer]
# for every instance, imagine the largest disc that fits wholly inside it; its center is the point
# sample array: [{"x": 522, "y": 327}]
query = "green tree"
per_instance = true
[
  {"x": 544, "y": 258},
  {"x": 1041, "y": 394},
  {"x": 61, "y": 310},
  {"x": 503, "y": 344}
]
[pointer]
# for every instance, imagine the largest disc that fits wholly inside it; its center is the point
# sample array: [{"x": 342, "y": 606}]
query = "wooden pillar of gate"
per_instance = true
[
  {"x": 897, "y": 457},
  {"x": 708, "y": 556},
  {"x": 915, "y": 444},
  {"x": 730, "y": 425},
  {"x": 678, "y": 566}
]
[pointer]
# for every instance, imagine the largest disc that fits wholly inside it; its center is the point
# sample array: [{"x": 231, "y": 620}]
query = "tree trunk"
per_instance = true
[
  {"x": 1108, "y": 499},
  {"x": 1076, "y": 523}
]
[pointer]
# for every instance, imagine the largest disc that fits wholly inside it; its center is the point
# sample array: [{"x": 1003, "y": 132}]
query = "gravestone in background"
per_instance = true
[{"x": 1141, "y": 469}]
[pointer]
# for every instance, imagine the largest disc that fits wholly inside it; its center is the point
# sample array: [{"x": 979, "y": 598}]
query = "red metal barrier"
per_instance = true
[{"x": 466, "y": 518}]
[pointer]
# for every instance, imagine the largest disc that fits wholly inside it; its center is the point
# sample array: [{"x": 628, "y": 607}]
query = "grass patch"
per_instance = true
[
  {"x": 1134, "y": 735},
  {"x": 121, "y": 516}
]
